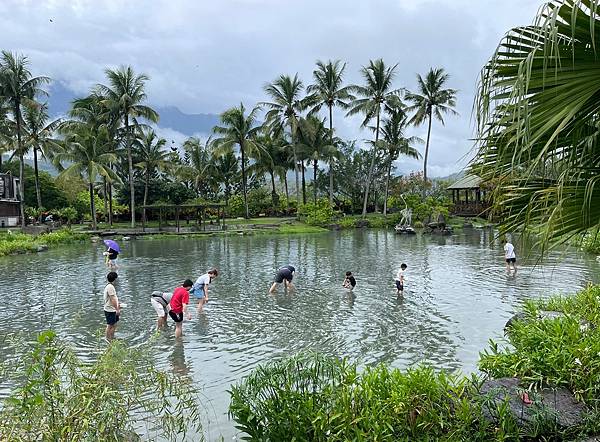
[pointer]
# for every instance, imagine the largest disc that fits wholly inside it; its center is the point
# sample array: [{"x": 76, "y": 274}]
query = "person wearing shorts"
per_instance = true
[
  {"x": 509, "y": 255},
  {"x": 160, "y": 303},
  {"x": 111, "y": 258},
  {"x": 400, "y": 280},
  {"x": 200, "y": 287},
  {"x": 284, "y": 275},
  {"x": 179, "y": 304},
  {"x": 112, "y": 308}
]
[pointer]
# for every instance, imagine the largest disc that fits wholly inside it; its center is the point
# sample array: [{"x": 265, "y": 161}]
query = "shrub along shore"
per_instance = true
[{"x": 543, "y": 383}]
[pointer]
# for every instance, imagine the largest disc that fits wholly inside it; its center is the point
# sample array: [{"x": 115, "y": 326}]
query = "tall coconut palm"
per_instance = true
[
  {"x": 328, "y": 90},
  {"x": 6, "y": 129},
  {"x": 537, "y": 111},
  {"x": 224, "y": 170},
  {"x": 238, "y": 129},
  {"x": 196, "y": 162},
  {"x": 285, "y": 108},
  {"x": 396, "y": 143},
  {"x": 270, "y": 159},
  {"x": 39, "y": 138},
  {"x": 151, "y": 158},
  {"x": 431, "y": 101},
  {"x": 19, "y": 87},
  {"x": 376, "y": 93},
  {"x": 315, "y": 142},
  {"x": 124, "y": 97},
  {"x": 87, "y": 153}
]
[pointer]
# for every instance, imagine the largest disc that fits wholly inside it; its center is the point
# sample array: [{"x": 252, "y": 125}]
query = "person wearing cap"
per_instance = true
[{"x": 284, "y": 275}]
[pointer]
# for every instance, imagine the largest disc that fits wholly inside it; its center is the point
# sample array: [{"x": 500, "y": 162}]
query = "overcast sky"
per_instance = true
[{"x": 206, "y": 55}]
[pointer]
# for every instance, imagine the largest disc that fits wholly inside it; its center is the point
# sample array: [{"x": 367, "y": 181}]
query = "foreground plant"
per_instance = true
[{"x": 60, "y": 397}]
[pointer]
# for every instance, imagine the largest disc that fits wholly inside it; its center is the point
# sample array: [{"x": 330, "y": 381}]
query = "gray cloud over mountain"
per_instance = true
[{"x": 204, "y": 56}]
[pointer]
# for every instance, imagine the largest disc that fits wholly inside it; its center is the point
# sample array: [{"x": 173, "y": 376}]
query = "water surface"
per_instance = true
[{"x": 457, "y": 296}]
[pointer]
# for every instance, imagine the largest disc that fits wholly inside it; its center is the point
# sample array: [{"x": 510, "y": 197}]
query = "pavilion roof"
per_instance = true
[{"x": 466, "y": 182}]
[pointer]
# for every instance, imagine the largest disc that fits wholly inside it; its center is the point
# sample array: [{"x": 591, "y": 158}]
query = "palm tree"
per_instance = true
[
  {"x": 285, "y": 92},
  {"x": 18, "y": 87},
  {"x": 39, "y": 137},
  {"x": 432, "y": 100},
  {"x": 197, "y": 161},
  {"x": 270, "y": 159},
  {"x": 238, "y": 129},
  {"x": 88, "y": 154},
  {"x": 537, "y": 113},
  {"x": 224, "y": 170},
  {"x": 6, "y": 129},
  {"x": 376, "y": 92},
  {"x": 124, "y": 97},
  {"x": 395, "y": 143},
  {"x": 327, "y": 90},
  {"x": 151, "y": 158},
  {"x": 315, "y": 142}
]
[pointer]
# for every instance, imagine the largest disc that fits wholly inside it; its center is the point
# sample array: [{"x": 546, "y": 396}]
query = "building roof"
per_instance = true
[{"x": 466, "y": 182}]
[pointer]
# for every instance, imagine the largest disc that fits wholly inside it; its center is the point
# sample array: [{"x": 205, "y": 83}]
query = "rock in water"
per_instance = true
[{"x": 42, "y": 248}]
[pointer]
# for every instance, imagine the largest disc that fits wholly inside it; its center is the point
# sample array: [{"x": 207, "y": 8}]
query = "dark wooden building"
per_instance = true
[
  {"x": 9, "y": 201},
  {"x": 468, "y": 197}
]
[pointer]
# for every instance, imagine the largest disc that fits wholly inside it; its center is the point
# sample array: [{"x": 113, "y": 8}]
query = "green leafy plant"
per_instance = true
[{"x": 320, "y": 213}]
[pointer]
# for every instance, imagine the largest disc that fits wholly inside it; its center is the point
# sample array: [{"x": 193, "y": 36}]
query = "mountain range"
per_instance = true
[{"x": 60, "y": 98}]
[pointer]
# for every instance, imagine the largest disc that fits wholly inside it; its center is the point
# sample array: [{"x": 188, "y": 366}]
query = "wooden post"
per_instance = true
[{"x": 177, "y": 218}]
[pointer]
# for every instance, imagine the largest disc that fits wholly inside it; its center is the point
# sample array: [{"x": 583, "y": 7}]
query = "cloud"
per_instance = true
[{"x": 206, "y": 56}]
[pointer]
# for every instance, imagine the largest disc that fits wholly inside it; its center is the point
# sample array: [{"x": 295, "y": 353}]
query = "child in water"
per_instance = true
[
  {"x": 111, "y": 258},
  {"x": 349, "y": 281},
  {"x": 400, "y": 278}
]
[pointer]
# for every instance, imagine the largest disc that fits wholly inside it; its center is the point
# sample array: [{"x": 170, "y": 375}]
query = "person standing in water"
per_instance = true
[
  {"x": 509, "y": 255},
  {"x": 349, "y": 281},
  {"x": 112, "y": 308},
  {"x": 284, "y": 275},
  {"x": 179, "y": 304},
  {"x": 200, "y": 287},
  {"x": 400, "y": 278}
]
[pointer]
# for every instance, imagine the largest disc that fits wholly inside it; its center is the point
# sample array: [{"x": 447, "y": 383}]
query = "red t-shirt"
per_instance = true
[{"x": 180, "y": 296}]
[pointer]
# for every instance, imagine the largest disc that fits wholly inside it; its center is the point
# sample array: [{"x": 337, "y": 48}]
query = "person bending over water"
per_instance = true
[
  {"x": 349, "y": 281},
  {"x": 284, "y": 275},
  {"x": 179, "y": 304},
  {"x": 200, "y": 288},
  {"x": 160, "y": 303}
]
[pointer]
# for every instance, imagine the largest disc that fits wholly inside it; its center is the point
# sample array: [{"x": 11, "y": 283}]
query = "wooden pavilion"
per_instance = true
[
  {"x": 199, "y": 210},
  {"x": 468, "y": 197},
  {"x": 10, "y": 201}
]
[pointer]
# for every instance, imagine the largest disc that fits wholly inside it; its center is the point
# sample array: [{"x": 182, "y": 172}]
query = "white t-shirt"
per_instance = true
[
  {"x": 109, "y": 292},
  {"x": 509, "y": 251},
  {"x": 203, "y": 280},
  {"x": 400, "y": 275}
]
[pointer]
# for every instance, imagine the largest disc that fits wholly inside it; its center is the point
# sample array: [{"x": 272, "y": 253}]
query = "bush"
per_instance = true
[
  {"x": 591, "y": 242},
  {"x": 61, "y": 397},
  {"x": 319, "y": 214},
  {"x": 22, "y": 243}
]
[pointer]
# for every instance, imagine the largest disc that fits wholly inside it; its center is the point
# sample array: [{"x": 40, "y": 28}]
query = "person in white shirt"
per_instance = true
[
  {"x": 160, "y": 303},
  {"x": 112, "y": 308},
  {"x": 510, "y": 256},
  {"x": 400, "y": 280},
  {"x": 200, "y": 287}
]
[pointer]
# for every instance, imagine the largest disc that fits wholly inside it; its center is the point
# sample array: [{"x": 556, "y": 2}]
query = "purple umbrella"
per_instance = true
[{"x": 112, "y": 245}]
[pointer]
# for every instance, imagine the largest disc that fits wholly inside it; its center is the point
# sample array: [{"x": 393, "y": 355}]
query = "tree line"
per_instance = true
[{"x": 107, "y": 138}]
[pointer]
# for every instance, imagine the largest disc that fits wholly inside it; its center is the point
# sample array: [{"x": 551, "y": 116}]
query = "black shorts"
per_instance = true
[
  {"x": 399, "y": 285},
  {"x": 177, "y": 317},
  {"x": 513, "y": 260},
  {"x": 283, "y": 274},
  {"x": 111, "y": 318}
]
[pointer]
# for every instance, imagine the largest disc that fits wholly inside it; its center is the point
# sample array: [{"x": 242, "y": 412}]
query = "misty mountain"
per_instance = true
[{"x": 60, "y": 98}]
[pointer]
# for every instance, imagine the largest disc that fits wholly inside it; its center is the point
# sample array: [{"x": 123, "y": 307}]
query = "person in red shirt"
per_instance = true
[{"x": 179, "y": 303}]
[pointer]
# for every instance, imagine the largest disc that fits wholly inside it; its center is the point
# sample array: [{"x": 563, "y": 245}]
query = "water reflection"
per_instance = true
[{"x": 457, "y": 295}]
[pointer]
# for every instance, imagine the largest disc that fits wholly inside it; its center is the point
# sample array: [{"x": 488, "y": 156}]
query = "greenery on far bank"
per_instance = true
[
  {"x": 12, "y": 243},
  {"x": 312, "y": 397},
  {"x": 57, "y": 396}
]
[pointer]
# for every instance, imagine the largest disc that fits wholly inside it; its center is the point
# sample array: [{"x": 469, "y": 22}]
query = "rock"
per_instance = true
[
  {"x": 334, "y": 226},
  {"x": 126, "y": 238},
  {"x": 555, "y": 403},
  {"x": 467, "y": 225},
  {"x": 546, "y": 314},
  {"x": 95, "y": 238},
  {"x": 362, "y": 223},
  {"x": 35, "y": 230},
  {"x": 518, "y": 317},
  {"x": 42, "y": 248}
]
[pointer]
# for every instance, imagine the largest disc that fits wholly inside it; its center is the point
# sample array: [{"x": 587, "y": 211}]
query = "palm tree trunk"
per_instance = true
[
  {"x": 273, "y": 192},
  {"x": 36, "y": 173},
  {"x": 21, "y": 164},
  {"x": 244, "y": 181},
  {"x": 303, "y": 183},
  {"x": 92, "y": 207},
  {"x": 371, "y": 167},
  {"x": 110, "y": 203},
  {"x": 130, "y": 166},
  {"x": 145, "y": 196},
  {"x": 315, "y": 165},
  {"x": 293, "y": 138},
  {"x": 426, "y": 150},
  {"x": 387, "y": 186},
  {"x": 331, "y": 162},
  {"x": 105, "y": 187},
  {"x": 287, "y": 192}
]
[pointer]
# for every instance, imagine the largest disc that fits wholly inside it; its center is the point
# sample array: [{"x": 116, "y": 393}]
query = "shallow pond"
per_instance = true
[{"x": 457, "y": 296}]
